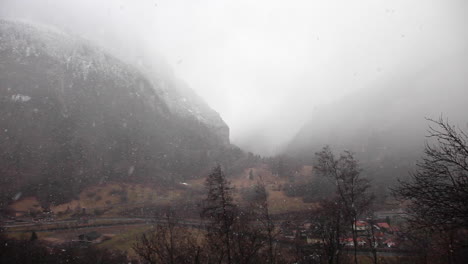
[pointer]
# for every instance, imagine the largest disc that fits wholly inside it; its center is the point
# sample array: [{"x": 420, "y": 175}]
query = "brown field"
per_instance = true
[
  {"x": 278, "y": 201},
  {"x": 111, "y": 199},
  {"x": 26, "y": 204},
  {"x": 120, "y": 194}
]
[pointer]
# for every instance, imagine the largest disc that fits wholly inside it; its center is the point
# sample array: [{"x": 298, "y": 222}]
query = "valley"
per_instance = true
[{"x": 108, "y": 156}]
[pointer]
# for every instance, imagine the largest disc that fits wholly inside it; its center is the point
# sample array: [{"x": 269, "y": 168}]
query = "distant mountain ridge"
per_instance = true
[
  {"x": 385, "y": 125},
  {"x": 72, "y": 114}
]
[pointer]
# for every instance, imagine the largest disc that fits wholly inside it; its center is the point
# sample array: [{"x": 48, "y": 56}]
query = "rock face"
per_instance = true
[{"x": 73, "y": 115}]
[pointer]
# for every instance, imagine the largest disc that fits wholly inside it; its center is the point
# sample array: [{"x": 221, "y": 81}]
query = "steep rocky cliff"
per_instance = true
[{"x": 72, "y": 115}]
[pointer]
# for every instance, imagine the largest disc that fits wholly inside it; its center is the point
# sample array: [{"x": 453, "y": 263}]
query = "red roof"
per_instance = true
[
  {"x": 350, "y": 239},
  {"x": 383, "y": 225},
  {"x": 379, "y": 234},
  {"x": 361, "y": 223}
]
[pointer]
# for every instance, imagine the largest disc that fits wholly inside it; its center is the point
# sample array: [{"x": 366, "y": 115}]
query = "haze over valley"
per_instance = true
[
  {"x": 233, "y": 131},
  {"x": 266, "y": 67}
]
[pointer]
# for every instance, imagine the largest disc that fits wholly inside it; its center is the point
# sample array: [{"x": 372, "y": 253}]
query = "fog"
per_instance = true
[{"x": 266, "y": 66}]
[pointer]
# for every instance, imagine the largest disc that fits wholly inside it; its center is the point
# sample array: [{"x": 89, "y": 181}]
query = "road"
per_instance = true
[{"x": 76, "y": 224}]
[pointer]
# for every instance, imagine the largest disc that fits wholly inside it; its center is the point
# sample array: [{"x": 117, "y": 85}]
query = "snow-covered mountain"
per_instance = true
[{"x": 72, "y": 114}]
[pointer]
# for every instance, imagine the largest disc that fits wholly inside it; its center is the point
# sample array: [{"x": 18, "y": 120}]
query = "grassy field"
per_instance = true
[
  {"x": 125, "y": 238},
  {"x": 107, "y": 200},
  {"x": 26, "y": 204},
  {"x": 119, "y": 195},
  {"x": 111, "y": 199},
  {"x": 277, "y": 200}
]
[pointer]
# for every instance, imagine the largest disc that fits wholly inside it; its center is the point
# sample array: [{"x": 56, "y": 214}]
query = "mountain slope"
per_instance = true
[
  {"x": 73, "y": 115},
  {"x": 385, "y": 125}
]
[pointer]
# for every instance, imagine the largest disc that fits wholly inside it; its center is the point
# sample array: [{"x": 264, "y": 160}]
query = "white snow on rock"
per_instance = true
[{"x": 20, "y": 98}]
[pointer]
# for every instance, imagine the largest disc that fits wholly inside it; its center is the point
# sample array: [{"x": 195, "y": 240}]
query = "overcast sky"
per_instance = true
[{"x": 265, "y": 65}]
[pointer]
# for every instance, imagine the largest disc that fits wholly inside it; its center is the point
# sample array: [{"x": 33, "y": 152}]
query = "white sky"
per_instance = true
[{"x": 264, "y": 65}]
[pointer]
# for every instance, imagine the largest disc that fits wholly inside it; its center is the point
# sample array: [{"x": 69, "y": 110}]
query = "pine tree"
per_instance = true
[
  {"x": 33, "y": 236},
  {"x": 261, "y": 206},
  {"x": 220, "y": 211},
  {"x": 251, "y": 176}
]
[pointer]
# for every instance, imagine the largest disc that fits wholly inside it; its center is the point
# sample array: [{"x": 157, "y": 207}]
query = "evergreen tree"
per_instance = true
[
  {"x": 251, "y": 176},
  {"x": 33, "y": 236},
  {"x": 221, "y": 212},
  {"x": 262, "y": 211}
]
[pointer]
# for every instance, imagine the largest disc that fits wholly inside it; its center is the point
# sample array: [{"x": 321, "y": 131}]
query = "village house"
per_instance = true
[
  {"x": 390, "y": 243},
  {"x": 361, "y": 226},
  {"x": 384, "y": 226}
]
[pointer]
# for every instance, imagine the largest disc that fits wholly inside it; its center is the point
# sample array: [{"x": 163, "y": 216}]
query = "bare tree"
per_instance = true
[
  {"x": 328, "y": 222},
  {"x": 247, "y": 239},
  {"x": 438, "y": 190},
  {"x": 371, "y": 238},
  {"x": 351, "y": 189},
  {"x": 169, "y": 243}
]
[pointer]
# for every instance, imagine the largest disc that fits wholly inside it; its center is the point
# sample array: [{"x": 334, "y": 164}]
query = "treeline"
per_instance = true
[
  {"x": 230, "y": 234},
  {"x": 435, "y": 198},
  {"x": 248, "y": 234}
]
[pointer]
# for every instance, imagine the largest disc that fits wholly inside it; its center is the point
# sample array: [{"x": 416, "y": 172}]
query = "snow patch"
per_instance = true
[
  {"x": 17, "y": 196},
  {"x": 20, "y": 98},
  {"x": 131, "y": 170}
]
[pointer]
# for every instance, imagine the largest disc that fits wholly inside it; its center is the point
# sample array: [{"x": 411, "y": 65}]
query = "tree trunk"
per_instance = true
[
  {"x": 338, "y": 242},
  {"x": 354, "y": 240}
]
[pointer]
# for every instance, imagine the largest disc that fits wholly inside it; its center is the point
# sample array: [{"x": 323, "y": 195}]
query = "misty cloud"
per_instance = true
[{"x": 266, "y": 66}]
